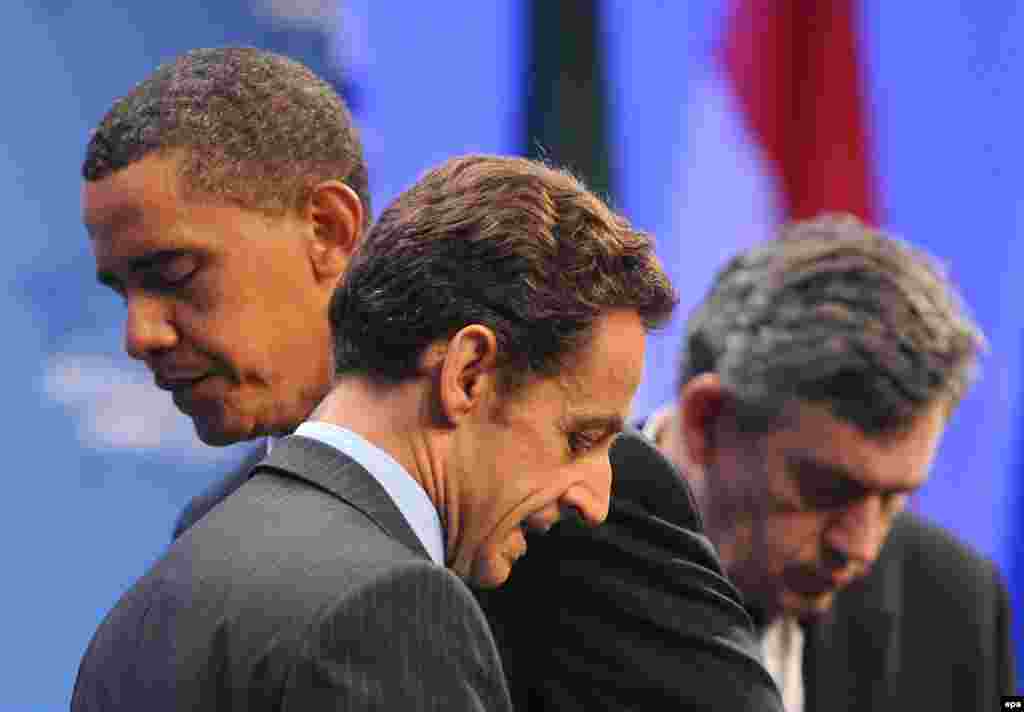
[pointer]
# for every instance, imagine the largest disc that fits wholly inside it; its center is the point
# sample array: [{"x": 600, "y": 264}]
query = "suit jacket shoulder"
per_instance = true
[
  {"x": 276, "y": 584},
  {"x": 434, "y": 631},
  {"x": 218, "y": 490}
]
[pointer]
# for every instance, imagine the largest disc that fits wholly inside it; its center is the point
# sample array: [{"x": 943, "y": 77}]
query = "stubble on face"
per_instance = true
[
  {"x": 774, "y": 501},
  {"x": 249, "y": 318}
]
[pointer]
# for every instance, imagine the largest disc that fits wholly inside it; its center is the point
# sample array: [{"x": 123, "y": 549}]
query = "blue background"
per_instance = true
[{"x": 98, "y": 466}]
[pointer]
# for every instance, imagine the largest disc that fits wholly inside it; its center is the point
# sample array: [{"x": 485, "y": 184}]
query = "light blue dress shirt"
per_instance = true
[{"x": 412, "y": 501}]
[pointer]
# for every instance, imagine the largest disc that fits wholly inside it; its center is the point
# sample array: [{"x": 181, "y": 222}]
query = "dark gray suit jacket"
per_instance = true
[
  {"x": 927, "y": 629},
  {"x": 305, "y": 589},
  {"x": 635, "y": 614}
]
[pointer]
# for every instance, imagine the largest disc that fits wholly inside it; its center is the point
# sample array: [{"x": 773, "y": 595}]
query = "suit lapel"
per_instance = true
[{"x": 331, "y": 470}]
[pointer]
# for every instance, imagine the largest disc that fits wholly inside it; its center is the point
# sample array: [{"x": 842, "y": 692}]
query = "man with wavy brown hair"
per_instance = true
[
  {"x": 489, "y": 338},
  {"x": 816, "y": 380}
]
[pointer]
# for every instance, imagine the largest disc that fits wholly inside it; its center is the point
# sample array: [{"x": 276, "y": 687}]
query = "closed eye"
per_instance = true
[
  {"x": 581, "y": 442},
  {"x": 161, "y": 272},
  {"x": 586, "y": 432},
  {"x": 824, "y": 486},
  {"x": 172, "y": 275}
]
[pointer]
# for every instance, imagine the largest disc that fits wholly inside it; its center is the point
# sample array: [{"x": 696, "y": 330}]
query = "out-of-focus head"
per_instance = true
[
  {"x": 223, "y": 197},
  {"x": 816, "y": 379},
  {"x": 524, "y": 301}
]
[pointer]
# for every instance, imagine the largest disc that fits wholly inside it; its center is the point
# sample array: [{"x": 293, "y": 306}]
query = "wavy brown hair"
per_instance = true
[{"x": 515, "y": 245}]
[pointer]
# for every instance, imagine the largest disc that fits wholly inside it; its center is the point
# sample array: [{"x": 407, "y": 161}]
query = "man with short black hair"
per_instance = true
[
  {"x": 224, "y": 196},
  {"x": 816, "y": 379}
]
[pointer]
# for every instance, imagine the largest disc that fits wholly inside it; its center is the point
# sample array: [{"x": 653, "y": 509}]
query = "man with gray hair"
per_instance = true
[{"x": 816, "y": 379}]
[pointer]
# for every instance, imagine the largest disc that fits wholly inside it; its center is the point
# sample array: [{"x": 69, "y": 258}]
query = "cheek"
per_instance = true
[
  {"x": 527, "y": 455},
  {"x": 208, "y": 317},
  {"x": 794, "y": 538},
  {"x": 269, "y": 345}
]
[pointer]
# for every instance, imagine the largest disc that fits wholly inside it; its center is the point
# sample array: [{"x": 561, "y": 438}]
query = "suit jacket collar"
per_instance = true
[
  {"x": 851, "y": 656},
  {"x": 335, "y": 472}
]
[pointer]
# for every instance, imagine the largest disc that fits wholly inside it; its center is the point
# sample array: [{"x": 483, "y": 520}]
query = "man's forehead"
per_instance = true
[
  {"x": 120, "y": 235},
  {"x": 587, "y": 402},
  {"x": 125, "y": 196},
  {"x": 612, "y": 357},
  {"x": 820, "y": 443},
  {"x": 104, "y": 217}
]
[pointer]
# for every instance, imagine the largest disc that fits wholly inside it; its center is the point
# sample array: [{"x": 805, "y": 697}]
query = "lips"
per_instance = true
[
  {"x": 539, "y": 522},
  {"x": 817, "y": 583},
  {"x": 176, "y": 382}
]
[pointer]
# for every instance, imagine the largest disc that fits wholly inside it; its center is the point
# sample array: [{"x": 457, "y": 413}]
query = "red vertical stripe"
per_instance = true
[{"x": 796, "y": 72}]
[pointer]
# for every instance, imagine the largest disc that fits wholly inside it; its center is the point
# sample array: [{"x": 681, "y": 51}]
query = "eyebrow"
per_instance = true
[
  {"x": 124, "y": 215},
  {"x": 841, "y": 479},
  {"x": 608, "y": 424},
  {"x": 141, "y": 263}
]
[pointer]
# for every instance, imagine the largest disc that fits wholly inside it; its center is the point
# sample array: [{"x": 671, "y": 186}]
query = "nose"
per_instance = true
[
  {"x": 590, "y": 496},
  {"x": 858, "y": 531},
  {"x": 148, "y": 327}
]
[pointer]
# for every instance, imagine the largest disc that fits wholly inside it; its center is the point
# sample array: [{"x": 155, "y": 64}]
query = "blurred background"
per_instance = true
[{"x": 705, "y": 122}]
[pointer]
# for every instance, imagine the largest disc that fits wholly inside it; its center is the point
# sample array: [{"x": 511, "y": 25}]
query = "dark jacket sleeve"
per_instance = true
[
  {"x": 412, "y": 639},
  {"x": 633, "y": 614}
]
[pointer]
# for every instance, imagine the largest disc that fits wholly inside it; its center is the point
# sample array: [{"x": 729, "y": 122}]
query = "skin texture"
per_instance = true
[
  {"x": 227, "y": 306},
  {"x": 543, "y": 452},
  {"x": 801, "y": 511},
  {"x": 498, "y": 463}
]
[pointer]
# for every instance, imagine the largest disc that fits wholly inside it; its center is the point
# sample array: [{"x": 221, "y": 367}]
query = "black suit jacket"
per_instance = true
[
  {"x": 634, "y": 614},
  {"x": 305, "y": 589},
  {"x": 927, "y": 629}
]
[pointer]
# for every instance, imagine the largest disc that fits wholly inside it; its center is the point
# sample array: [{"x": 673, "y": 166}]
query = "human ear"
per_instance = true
[
  {"x": 701, "y": 402},
  {"x": 336, "y": 216},
  {"x": 468, "y": 372}
]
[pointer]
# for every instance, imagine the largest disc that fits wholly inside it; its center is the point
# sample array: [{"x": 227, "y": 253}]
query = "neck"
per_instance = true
[
  {"x": 395, "y": 418},
  {"x": 722, "y": 528}
]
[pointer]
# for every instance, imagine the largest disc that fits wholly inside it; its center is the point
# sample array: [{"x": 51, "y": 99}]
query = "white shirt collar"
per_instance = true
[
  {"x": 782, "y": 644},
  {"x": 407, "y": 494}
]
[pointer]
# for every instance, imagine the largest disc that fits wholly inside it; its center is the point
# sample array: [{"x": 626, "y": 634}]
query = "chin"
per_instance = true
[
  {"x": 809, "y": 608},
  {"x": 487, "y": 584},
  {"x": 489, "y": 574},
  {"x": 217, "y": 433}
]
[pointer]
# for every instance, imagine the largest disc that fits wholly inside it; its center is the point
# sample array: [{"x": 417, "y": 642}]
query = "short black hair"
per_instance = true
[{"x": 251, "y": 126}]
